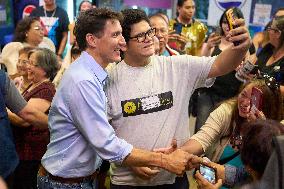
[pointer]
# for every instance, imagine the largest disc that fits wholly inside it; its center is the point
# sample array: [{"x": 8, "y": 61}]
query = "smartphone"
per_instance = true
[
  {"x": 178, "y": 28},
  {"x": 218, "y": 30},
  {"x": 256, "y": 99},
  {"x": 209, "y": 173},
  {"x": 231, "y": 16}
]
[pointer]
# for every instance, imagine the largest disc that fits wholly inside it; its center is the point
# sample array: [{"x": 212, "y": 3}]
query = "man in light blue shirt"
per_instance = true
[{"x": 80, "y": 134}]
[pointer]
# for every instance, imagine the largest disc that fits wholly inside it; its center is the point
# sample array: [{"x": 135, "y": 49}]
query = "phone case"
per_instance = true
[
  {"x": 231, "y": 16},
  {"x": 209, "y": 173},
  {"x": 256, "y": 99}
]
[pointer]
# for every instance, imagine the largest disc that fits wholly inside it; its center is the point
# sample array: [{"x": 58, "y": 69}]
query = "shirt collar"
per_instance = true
[{"x": 99, "y": 71}]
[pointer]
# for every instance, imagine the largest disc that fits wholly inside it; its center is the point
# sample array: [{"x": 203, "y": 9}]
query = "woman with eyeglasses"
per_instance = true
[
  {"x": 271, "y": 58},
  {"x": 31, "y": 140},
  {"x": 220, "y": 137},
  {"x": 28, "y": 32},
  {"x": 22, "y": 81}
]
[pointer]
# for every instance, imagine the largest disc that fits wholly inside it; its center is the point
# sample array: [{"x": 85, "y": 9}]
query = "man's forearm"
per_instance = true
[
  {"x": 34, "y": 116},
  {"x": 229, "y": 59},
  {"x": 175, "y": 162}
]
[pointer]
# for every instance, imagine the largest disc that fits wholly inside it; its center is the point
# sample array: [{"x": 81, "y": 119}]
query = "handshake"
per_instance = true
[{"x": 173, "y": 160}]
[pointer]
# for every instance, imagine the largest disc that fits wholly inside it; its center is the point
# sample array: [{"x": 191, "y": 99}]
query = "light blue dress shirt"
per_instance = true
[{"x": 80, "y": 134}]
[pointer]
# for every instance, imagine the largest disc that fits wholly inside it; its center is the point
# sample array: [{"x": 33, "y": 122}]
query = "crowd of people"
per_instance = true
[{"x": 118, "y": 103}]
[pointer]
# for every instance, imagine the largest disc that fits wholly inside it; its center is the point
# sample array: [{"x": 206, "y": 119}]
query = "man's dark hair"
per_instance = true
[
  {"x": 93, "y": 21},
  {"x": 131, "y": 17},
  {"x": 23, "y": 27}
]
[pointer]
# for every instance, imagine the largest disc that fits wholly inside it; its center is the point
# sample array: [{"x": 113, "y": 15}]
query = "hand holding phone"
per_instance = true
[
  {"x": 209, "y": 173},
  {"x": 256, "y": 100},
  {"x": 231, "y": 16}
]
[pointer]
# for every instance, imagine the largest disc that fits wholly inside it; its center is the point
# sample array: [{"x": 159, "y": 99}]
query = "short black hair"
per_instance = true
[
  {"x": 93, "y": 21},
  {"x": 131, "y": 17}
]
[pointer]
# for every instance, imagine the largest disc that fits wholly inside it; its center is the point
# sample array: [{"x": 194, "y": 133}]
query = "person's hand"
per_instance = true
[
  {"x": 255, "y": 114},
  {"x": 178, "y": 37},
  {"x": 19, "y": 81},
  {"x": 240, "y": 34},
  {"x": 213, "y": 40},
  {"x": 145, "y": 173},
  {"x": 204, "y": 184},
  {"x": 194, "y": 162},
  {"x": 169, "y": 149},
  {"x": 175, "y": 162}
]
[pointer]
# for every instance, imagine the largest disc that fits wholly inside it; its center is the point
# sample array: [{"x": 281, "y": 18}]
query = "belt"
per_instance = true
[{"x": 43, "y": 172}]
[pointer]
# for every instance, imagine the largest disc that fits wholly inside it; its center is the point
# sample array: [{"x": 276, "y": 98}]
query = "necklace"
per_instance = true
[
  {"x": 34, "y": 85},
  {"x": 53, "y": 13}
]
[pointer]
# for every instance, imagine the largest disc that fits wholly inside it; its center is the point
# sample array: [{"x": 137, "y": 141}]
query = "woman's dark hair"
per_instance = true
[
  {"x": 257, "y": 143},
  {"x": 47, "y": 60},
  {"x": 279, "y": 20},
  {"x": 238, "y": 12},
  {"x": 22, "y": 28},
  {"x": 84, "y": 1},
  {"x": 93, "y": 21},
  {"x": 131, "y": 17}
]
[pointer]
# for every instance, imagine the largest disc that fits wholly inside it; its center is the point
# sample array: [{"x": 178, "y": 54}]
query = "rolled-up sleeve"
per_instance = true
[{"x": 88, "y": 109}]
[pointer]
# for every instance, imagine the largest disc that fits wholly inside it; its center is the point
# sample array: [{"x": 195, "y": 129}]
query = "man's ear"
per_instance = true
[{"x": 91, "y": 40}]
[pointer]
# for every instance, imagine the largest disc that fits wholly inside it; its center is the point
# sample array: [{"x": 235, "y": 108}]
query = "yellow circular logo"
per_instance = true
[{"x": 129, "y": 107}]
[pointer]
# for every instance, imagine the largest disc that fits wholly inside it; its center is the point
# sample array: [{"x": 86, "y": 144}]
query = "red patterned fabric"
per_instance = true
[{"x": 31, "y": 142}]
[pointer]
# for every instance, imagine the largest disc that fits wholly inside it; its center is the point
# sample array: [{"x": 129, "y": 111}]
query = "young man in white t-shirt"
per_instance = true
[{"x": 148, "y": 96}]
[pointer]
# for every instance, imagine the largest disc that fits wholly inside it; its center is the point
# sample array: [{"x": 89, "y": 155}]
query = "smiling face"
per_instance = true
[
  {"x": 244, "y": 101},
  {"x": 143, "y": 49},
  {"x": 109, "y": 44},
  {"x": 35, "y": 34},
  {"x": 35, "y": 72},
  {"x": 22, "y": 64}
]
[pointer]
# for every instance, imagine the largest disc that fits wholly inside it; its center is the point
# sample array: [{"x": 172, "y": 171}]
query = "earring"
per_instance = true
[{"x": 26, "y": 35}]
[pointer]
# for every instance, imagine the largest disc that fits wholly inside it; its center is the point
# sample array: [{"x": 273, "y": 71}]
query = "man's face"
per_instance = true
[
  {"x": 109, "y": 45},
  {"x": 49, "y": 2},
  {"x": 161, "y": 31},
  {"x": 187, "y": 10},
  {"x": 136, "y": 48}
]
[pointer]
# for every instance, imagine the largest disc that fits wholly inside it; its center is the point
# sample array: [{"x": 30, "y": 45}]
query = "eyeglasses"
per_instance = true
[
  {"x": 38, "y": 28},
  {"x": 141, "y": 37},
  {"x": 20, "y": 61},
  {"x": 32, "y": 63},
  {"x": 273, "y": 29}
]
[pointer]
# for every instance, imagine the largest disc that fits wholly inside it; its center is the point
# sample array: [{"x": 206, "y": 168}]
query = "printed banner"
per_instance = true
[{"x": 217, "y": 7}]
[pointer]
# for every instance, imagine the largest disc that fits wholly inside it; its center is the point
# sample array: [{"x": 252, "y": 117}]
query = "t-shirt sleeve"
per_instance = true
[
  {"x": 14, "y": 100},
  {"x": 195, "y": 68}
]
